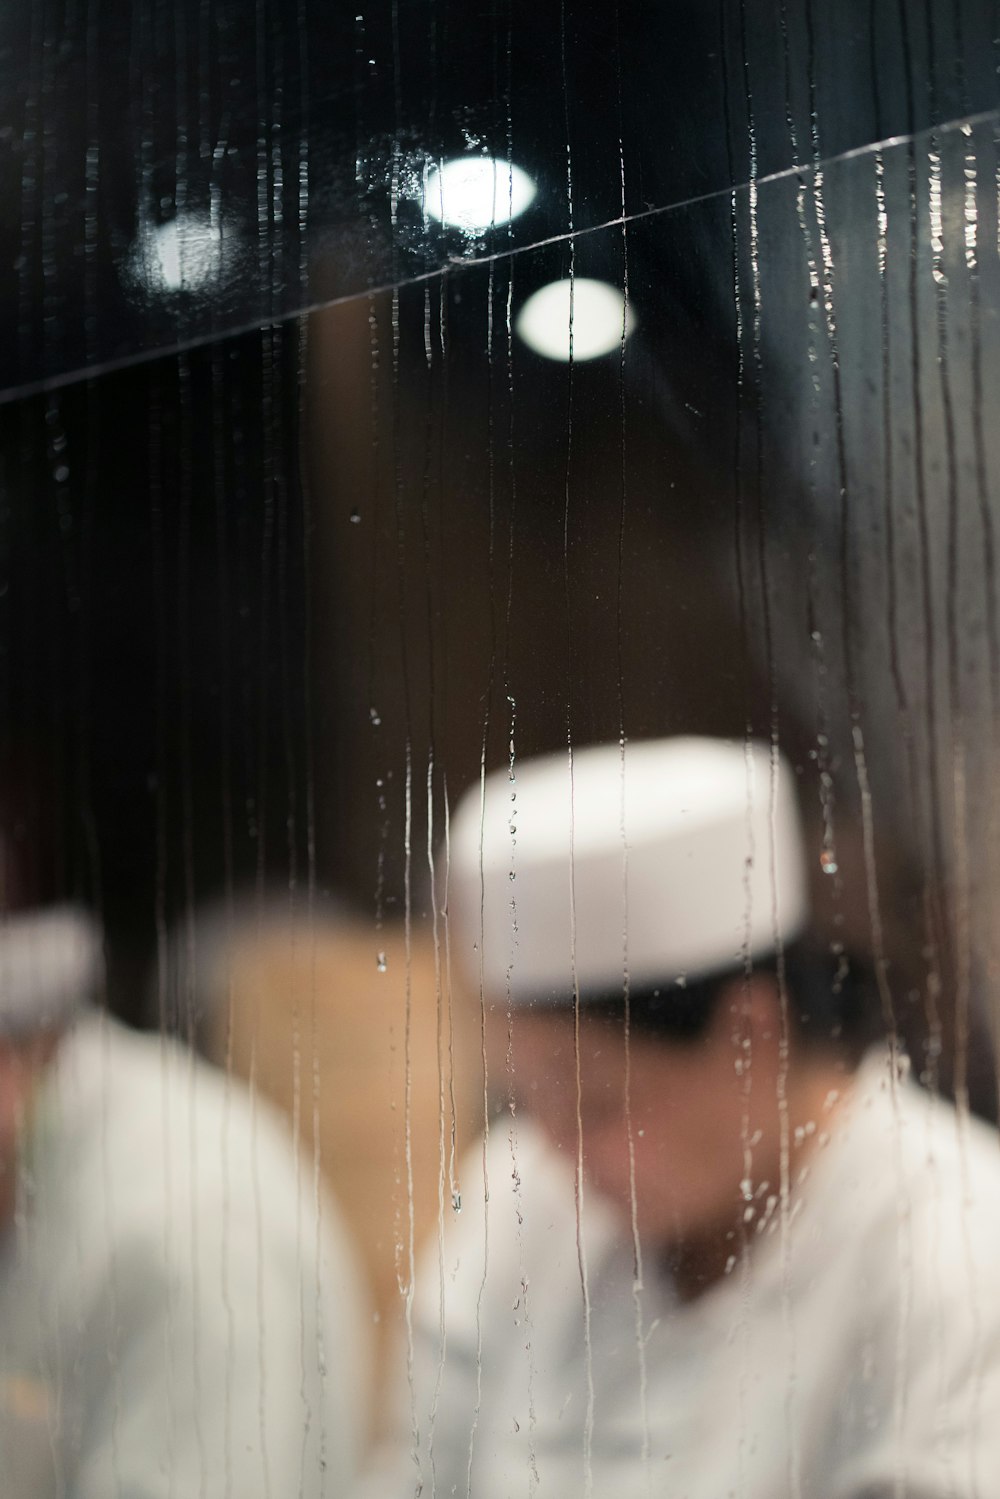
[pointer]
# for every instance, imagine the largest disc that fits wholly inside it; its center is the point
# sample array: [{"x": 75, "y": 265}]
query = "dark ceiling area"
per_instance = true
[{"x": 175, "y": 171}]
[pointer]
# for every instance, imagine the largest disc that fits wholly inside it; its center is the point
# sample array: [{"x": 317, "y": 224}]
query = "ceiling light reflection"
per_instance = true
[
  {"x": 184, "y": 254},
  {"x": 474, "y": 193},
  {"x": 596, "y": 313}
]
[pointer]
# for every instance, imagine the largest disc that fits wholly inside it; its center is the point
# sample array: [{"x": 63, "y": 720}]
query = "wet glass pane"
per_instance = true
[
  {"x": 174, "y": 172},
  {"x": 499, "y": 697}
]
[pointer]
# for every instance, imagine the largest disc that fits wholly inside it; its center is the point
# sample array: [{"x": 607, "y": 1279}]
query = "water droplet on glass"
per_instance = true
[
  {"x": 456, "y": 1202},
  {"x": 375, "y": 717},
  {"x": 355, "y": 517},
  {"x": 380, "y": 962},
  {"x": 828, "y": 861}
]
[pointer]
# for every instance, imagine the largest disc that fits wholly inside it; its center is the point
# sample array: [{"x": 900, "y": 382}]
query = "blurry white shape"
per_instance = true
[
  {"x": 596, "y": 312},
  {"x": 166, "y": 256},
  {"x": 474, "y": 193},
  {"x": 184, "y": 254}
]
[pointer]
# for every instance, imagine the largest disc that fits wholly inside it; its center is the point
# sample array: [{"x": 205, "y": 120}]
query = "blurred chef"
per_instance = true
[
  {"x": 179, "y": 1313},
  {"x": 727, "y": 1246}
]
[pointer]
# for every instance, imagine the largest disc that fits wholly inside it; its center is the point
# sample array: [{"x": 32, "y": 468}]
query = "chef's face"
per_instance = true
[
  {"x": 665, "y": 1123},
  {"x": 22, "y": 1063}
]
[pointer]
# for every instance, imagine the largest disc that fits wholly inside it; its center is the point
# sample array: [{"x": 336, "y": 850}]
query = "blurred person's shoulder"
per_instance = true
[
  {"x": 922, "y": 1179},
  {"x": 141, "y": 1121},
  {"x": 153, "y": 1080},
  {"x": 945, "y": 1159}
]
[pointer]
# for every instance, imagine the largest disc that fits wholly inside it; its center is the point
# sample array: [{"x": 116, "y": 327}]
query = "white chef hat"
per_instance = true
[
  {"x": 51, "y": 961},
  {"x": 674, "y": 861}
]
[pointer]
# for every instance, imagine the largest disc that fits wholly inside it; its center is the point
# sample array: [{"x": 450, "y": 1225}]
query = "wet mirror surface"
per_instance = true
[{"x": 499, "y": 712}]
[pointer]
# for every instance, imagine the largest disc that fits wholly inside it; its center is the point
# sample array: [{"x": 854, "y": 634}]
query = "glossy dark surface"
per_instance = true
[{"x": 286, "y": 143}]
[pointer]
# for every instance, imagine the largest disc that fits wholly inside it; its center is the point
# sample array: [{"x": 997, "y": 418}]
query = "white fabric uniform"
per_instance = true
[
  {"x": 167, "y": 1300},
  {"x": 860, "y": 1356}
]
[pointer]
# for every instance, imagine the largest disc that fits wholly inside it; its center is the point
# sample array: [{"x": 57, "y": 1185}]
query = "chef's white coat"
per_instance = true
[
  {"x": 856, "y": 1353},
  {"x": 175, "y": 1320}
]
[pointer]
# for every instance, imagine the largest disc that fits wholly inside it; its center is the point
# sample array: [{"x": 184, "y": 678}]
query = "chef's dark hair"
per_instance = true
[{"x": 831, "y": 999}]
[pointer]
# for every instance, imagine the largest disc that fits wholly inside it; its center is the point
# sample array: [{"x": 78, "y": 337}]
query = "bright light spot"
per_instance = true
[
  {"x": 595, "y": 311},
  {"x": 474, "y": 193},
  {"x": 166, "y": 256},
  {"x": 184, "y": 254}
]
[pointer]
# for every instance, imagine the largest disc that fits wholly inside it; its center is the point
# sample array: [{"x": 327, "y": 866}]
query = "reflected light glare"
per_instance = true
[
  {"x": 180, "y": 255},
  {"x": 600, "y": 318},
  {"x": 474, "y": 193}
]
